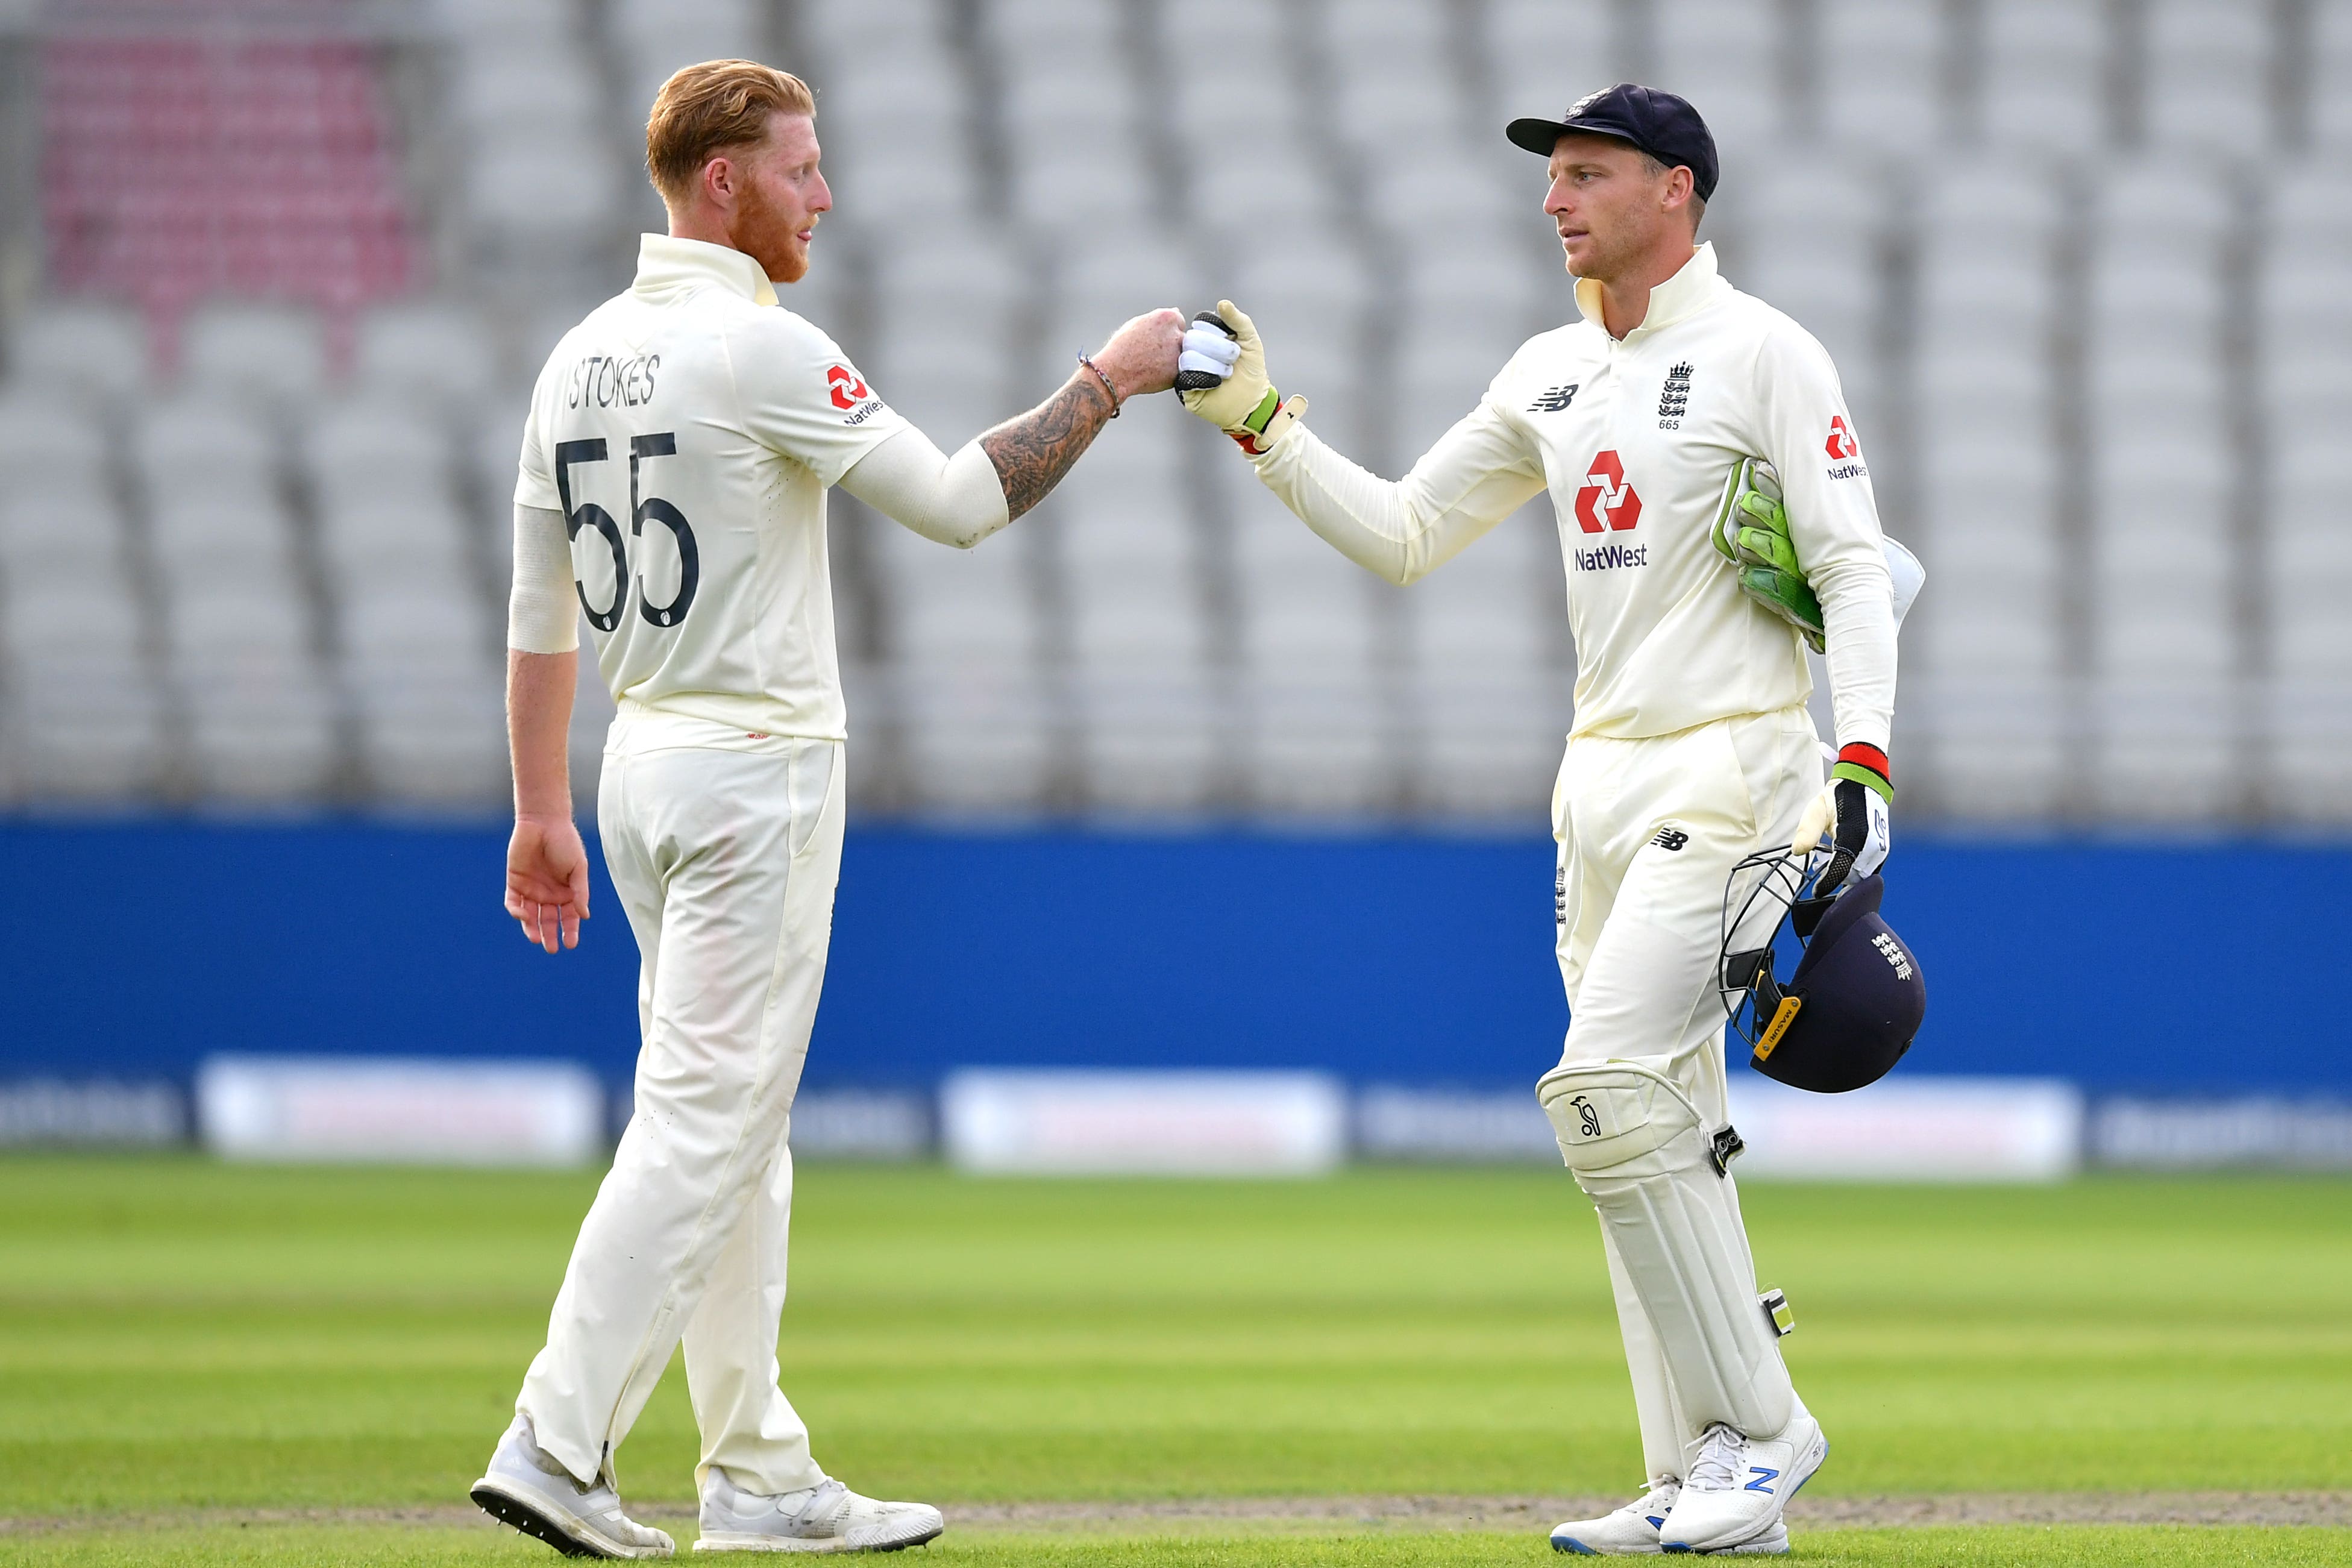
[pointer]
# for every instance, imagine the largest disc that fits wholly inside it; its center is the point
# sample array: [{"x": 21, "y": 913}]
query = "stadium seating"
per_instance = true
[{"x": 2082, "y": 266}]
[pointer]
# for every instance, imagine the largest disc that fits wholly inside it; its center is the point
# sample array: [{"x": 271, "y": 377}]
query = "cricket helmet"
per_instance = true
[{"x": 1856, "y": 1002}]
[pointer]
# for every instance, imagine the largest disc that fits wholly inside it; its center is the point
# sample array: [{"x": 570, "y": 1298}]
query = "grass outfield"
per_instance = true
[{"x": 188, "y": 1351}]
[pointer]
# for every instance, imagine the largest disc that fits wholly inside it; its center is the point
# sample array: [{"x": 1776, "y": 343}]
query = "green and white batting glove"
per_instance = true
[
  {"x": 1220, "y": 377},
  {"x": 1752, "y": 530}
]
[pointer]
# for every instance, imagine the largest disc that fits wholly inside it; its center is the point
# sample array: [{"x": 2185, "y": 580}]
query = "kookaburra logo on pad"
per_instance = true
[{"x": 1588, "y": 1120}]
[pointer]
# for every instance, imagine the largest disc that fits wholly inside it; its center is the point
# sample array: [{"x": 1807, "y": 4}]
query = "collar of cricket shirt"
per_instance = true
[
  {"x": 665, "y": 261},
  {"x": 1670, "y": 301}
]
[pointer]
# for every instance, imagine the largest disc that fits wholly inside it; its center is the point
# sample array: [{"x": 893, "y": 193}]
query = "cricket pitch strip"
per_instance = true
[{"x": 1334, "y": 1515}]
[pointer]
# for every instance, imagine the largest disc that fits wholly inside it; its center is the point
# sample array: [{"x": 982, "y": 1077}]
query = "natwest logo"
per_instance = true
[
  {"x": 1605, "y": 494},
  {"x": 848, "y": 391},
  {"x": 1841, "y": 444}
]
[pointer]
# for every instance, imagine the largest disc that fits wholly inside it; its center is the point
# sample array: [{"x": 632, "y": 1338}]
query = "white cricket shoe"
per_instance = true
[
  {"x": 827, "y": 1517},
  {"x": 529, "y": 1489},
  {"x": 1732, "y": 1500},
  {"x": 1631, "y": 1531}
]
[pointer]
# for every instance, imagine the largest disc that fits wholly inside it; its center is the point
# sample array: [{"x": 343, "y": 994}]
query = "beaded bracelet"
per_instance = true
[{"x": 1108, "y": 387}]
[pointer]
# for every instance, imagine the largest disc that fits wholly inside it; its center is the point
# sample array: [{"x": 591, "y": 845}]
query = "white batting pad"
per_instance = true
[{"x": 1638, "y": 1147}]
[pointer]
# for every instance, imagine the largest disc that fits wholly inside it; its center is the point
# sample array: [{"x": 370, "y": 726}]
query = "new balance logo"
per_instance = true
[
  {"x": 1554, "y": 400},
  {"x": 1761, "y": 1474},
  {"x": 1671, "y": 838}
]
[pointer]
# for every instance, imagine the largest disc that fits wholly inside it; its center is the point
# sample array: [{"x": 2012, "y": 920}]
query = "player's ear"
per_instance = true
[{"x": 718, "y": 180}]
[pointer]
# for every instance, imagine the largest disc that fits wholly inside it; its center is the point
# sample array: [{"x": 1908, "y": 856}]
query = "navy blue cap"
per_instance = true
[{"x": 1665, "y": 127}]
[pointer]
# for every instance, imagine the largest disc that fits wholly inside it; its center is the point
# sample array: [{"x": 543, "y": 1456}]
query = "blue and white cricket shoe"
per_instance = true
[
  {"x": 1630, "y": 1532},
  {"x": 1739, "y": 1486}
]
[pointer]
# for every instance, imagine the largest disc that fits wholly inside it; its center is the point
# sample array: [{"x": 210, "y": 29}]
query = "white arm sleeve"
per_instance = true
[
  {"x": 956, "y": 501},
  {"x": 1479, "y": 473},
  {"x": 542, "y": 609},
  {"x": 1833, "y": 523}
]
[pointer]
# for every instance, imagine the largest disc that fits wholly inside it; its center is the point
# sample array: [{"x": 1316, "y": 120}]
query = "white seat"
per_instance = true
[
  {"x": 53, "y": 444},
  {"x": 1314, "y": 741},
  {"x": 659, "y": 36},
  {"x": 263, "y": 736},
  {"x": 502, "y": 85},
  {"x": 439, "y": 745},
  {"x": 275, "y": 352},
  {"x": 91, "y": 619},
  {"x": 436, "y": 350},
  {"x": 977, "y": 735},
  {"x": 1542, "y": 55},
  {"x": 49, "y": 533},
  {"x": 2042, "y": 83},
  {"x": 1077, "y": 183},
  {"x": 1489, "y": 743},
  {"x": 2329, "y": 96},
  {"x": 836, "y": 31},
  {"x": 962, "y": 605},
  {"x": 228, "y": 624},
  {"x": 1708, "y": 52},
  {"x": 192, "y": 447},
  {"x": 82, "y": 346},
  {"x": 376, "y": 447},
  {"x": 1137, "y": 623},
  {"x": 1878, "y": 65},
  {"x": 472, "y": 20},
  {"x": 419, "y": 622},
  {"x": 203, "y": 540},
  {"x": 537, "y": 184},
  {"x": 1148, "y": 735},
  {"x": 87, "y": 732},
  {"x": 396, "y": 539},
  {"x": 2208, "y": 74}
]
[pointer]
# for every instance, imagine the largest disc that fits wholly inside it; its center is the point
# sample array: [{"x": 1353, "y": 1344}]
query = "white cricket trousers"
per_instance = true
[
  {"x": 726, "y": 862},
  {"x": 1646, "y": 833}
]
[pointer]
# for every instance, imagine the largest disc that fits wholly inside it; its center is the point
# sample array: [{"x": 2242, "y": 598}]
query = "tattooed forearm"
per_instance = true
[{"x": 1032, "y": 452}]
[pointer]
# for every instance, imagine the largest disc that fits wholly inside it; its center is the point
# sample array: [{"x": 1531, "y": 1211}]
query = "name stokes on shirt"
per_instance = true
[{"x": 608, "y": 381}]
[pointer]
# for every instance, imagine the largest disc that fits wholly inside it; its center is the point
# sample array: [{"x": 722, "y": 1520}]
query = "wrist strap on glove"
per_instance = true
[
  {"x": 1867, "y": 765},
  {"x": 1266, "y": 423}
]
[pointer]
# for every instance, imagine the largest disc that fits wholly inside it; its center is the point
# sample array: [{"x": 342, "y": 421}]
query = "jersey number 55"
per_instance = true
[{"x": 588, "y": 514}]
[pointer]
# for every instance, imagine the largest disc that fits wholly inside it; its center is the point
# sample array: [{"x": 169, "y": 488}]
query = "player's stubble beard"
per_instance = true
[{"x": 763, "y": 233}]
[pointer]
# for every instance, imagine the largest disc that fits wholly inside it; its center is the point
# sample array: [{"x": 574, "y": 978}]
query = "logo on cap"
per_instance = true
[{"x": 1605, "y": 494}]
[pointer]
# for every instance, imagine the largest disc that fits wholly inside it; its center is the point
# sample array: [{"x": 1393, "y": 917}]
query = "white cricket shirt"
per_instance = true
[
  {"x": 687, "y": 431},
  {"x": 1636, "y": 439}
]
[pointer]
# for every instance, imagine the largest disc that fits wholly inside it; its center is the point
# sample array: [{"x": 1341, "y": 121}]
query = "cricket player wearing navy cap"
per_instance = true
[{"x": 1657, "y": 421}]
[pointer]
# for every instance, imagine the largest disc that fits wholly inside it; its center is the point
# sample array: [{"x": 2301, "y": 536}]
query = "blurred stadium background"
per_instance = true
[{"x": 1156, "y": 778}]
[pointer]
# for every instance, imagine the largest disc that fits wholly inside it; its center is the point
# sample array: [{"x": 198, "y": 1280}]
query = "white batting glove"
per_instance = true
[
  {"x": 1231, "y": 391},
  {"x": 1208, "y": 357}
]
